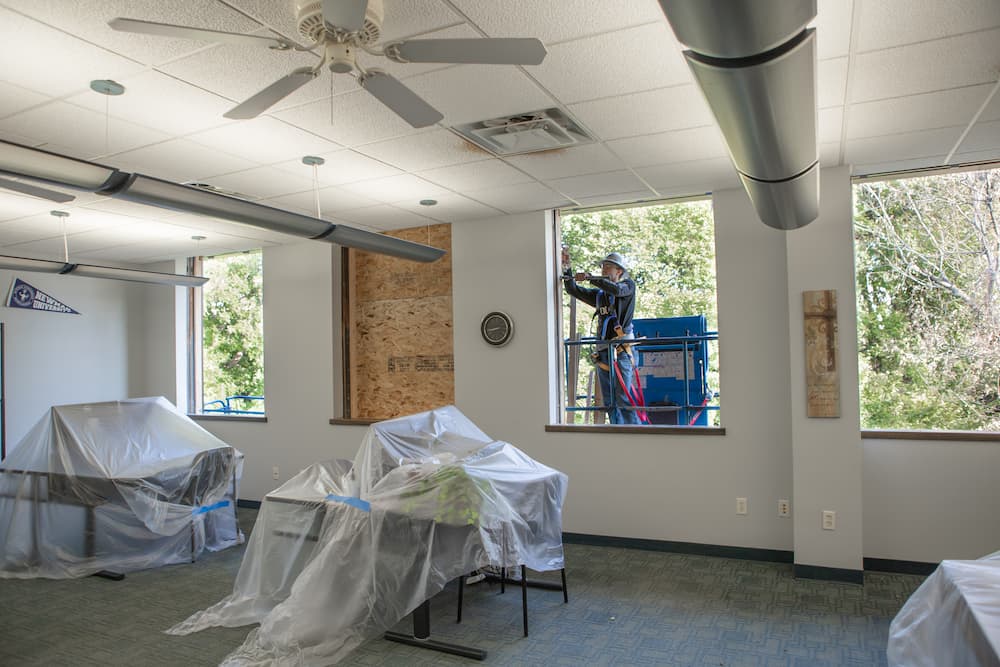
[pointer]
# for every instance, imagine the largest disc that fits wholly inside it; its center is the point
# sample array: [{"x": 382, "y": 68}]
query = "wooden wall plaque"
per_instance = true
[{"x": 819, "y": 310}]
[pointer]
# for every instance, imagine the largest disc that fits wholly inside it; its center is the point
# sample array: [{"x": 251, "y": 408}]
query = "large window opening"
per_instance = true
[
  {"x": 669, "y": 251},
  {"x": 231, "y": 331},
  {"x": 928, "y": 261}
]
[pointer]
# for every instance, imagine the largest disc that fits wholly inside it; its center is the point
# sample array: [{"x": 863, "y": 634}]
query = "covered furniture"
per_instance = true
[
  {"x": 952, "y": 619},
  {"x": 121, "y": 486},
  {"x": 342, "y": 552}
]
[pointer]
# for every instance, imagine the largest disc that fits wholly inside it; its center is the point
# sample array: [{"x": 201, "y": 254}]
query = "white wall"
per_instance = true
[
  {"x": 56, "y": 359},
  {"x": 666, "y": 487}
]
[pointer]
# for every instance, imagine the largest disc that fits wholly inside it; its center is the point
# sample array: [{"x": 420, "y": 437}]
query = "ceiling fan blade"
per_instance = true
[
  {"x": 186, "y": 32},
  {"x": 271, "y": 95},
  {"x": 406, "y": 103},
  {"x": 346, "y": 14},
  {"x": 485, "y": 51},
  {"x": 35, "y": 191}
]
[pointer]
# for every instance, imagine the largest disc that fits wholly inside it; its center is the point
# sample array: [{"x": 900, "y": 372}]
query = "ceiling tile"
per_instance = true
[
  {"x": 831, "y": 82},
  {"x": 982, "y": 136},
  {"x": 612, "y": 182},
  {"x": 98, "y": 239},
  {"x": 946, "y": 108},
  {"x": 87, "y": 134},
  {"x": 51, "y": 62},
  {"x": 520, "y": 198},
  {"x": 130, "y": 209},
  {"x": 384, "y": 218},
  {"x": 621, "y": 198},
  {"x": 921, "y": 68},
  {"x": 14, "y": 98},
  {"x": 341, "y": 167},
  {"x": 829, "y": 155},
  {"x": 14, "y": 206},
  {"x": 89, "y": 20},
  {"x": 830, "y": 123},
  {"x": 833, "y": 28},
  {"x": 650, "y": 112},
  {"x": 405, "y": 187},
  {"x": 350, "y": 119},
  {"x": 475, "y": 176},
  {"x": 406, "y": 18},
  {"x": 264, "y": 140},
  {"x": 574, "y": 161},
  {"x": 238, "y": 72},
  {"x": 900, "y": 147},
  {"x": 469, "y": 93},
  {"x": 427, "y": 150},
  {"x": 332, "y": 199},
  {"x": 163, "y": 103},
  {"x": 992, "y": 155},
  {"x": 179, "y": 160},
  {"x": 557, "y": 20},
  {"x": 626, "y": 61},
  {"x": 679, "y": 146},
  {"x": 452, "y": 208},
  {"x": 190, "y": 224},
  {"x": 887, "y": 23},
  {"x": 262, "y": 182},
  {"x": 691, "y": 178}
]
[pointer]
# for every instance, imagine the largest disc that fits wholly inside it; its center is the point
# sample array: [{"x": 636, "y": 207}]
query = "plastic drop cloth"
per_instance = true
[
  {"x": 119, "y": 486},
  {"x": 953, "y": 619},
  {"x": 342, "y": 552}
]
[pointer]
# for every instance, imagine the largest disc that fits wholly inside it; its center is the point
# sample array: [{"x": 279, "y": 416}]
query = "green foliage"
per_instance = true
[
  {"x": 671, "y": 253},
  {"x": 928, "y": 312},
  {"x": 232, "y": 323}
]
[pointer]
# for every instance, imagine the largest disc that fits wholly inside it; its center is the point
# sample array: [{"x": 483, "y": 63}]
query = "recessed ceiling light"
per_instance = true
[
  {"x": 428, "y": 202},
  {"x": 107, "y": 87}
]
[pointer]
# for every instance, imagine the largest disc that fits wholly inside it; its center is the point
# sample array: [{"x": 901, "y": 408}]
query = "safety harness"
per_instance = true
[{"x": 635, "y": 396}]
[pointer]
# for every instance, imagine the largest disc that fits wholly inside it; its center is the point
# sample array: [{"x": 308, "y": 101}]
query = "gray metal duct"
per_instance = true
[{"x": 755, "y": 62}]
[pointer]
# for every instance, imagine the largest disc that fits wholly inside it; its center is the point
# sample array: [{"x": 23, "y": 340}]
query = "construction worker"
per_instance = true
[{"x": 613, "y": 297}]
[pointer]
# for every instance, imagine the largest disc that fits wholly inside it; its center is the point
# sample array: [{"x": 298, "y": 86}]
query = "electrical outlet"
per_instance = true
[
  {"x": 784, "y": 508},
  {"x": 741, "y": 505},
  {"x": 829, "y": 520},
  {"x": 274, "y": 472}
]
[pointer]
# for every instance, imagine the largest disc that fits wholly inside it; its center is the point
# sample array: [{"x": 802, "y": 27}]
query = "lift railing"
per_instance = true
[
  {"x": 683, "y": 344},
  {"x": 225, "y": 406}
]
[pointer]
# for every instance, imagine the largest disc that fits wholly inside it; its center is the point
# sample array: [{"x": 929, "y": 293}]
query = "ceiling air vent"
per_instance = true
[{"x": 532, "y": 132}]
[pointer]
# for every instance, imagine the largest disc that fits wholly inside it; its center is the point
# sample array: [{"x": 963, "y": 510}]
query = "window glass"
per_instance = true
[
  {"x": 928, "y": 307},
  {"x": 669, "y": 250},
  {"x": 232, "y": 327}
]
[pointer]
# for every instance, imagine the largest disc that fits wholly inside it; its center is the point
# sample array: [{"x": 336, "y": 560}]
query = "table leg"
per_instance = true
[{"x": 422, "y": 632}]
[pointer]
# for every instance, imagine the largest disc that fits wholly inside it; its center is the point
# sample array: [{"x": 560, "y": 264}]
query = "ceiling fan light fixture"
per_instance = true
[{"x": 531, "y": 132}]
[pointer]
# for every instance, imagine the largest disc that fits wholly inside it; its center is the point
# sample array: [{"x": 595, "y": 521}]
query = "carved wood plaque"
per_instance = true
[{"x": 819, "y": 310}]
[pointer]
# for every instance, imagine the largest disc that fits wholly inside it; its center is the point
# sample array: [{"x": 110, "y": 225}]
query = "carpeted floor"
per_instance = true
[{"x": 626, "y": 607}]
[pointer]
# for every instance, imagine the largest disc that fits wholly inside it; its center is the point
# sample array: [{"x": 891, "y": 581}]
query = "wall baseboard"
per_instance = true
[
  {"x": 249, "y": 504},
  {"x": 829, "y": 574},
  {"x": 899, "y": 566},
  {"x": 694, "y": 548}
]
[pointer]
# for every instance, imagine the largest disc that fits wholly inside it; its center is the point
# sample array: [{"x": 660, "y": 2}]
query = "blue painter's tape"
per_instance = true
[
  {"x": 362, "y": 505},
  {"x": 209, "y": 508}
]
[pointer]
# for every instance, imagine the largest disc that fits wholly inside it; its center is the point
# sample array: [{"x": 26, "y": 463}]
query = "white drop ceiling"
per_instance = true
[{"x": 901, "y": 84}]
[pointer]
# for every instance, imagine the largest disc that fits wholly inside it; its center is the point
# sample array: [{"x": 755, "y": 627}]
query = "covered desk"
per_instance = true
[
  {"x": 122, "y": 485},
  {"x": 953, "y": 619},
  {"x": 341, "y": 553}
]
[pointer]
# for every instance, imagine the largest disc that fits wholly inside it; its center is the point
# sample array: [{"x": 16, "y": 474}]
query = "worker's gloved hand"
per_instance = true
[
  {"x": 567, "y": 274},
  {"x": 583, "y": 276}
]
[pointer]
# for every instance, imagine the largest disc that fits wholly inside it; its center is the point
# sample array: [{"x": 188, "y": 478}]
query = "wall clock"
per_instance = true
[{"x": 497, "y": 328}]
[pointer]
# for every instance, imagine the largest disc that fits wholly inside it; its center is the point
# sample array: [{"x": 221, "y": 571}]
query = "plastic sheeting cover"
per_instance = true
[
  {"x": 952, "y": 619},
  {"x": 122, "y": 485},
  {"x": 342, "y": 552}
]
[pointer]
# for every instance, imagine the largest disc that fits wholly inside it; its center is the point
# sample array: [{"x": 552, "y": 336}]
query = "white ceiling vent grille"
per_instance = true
[{"x": 532, "y": 132}]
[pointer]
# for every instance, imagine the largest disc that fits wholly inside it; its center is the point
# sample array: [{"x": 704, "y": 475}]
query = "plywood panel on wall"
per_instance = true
[{"x": 400, "y": 323}]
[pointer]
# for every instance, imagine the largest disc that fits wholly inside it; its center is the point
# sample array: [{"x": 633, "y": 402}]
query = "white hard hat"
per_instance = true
[{"x": 616, "y": 259}]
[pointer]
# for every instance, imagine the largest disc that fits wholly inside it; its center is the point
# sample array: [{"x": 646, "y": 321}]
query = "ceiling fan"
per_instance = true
[{"x": 340, "y": 28}]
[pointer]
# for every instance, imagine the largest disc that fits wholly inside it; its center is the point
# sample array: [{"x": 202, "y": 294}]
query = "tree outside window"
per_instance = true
[
  {"x": 927, "y": 254},
  {"x": 233, "y": 334}
]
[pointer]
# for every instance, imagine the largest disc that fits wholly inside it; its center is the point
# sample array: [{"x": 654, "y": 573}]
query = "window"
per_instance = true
[
  {"x": 670, "y": 253},
  {"x": 928, "y": 306},
  {"x": 228, "y": 338}
]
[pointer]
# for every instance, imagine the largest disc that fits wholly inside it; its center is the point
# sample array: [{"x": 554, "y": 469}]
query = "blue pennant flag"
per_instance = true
[{"x": 23, "y": 295}]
